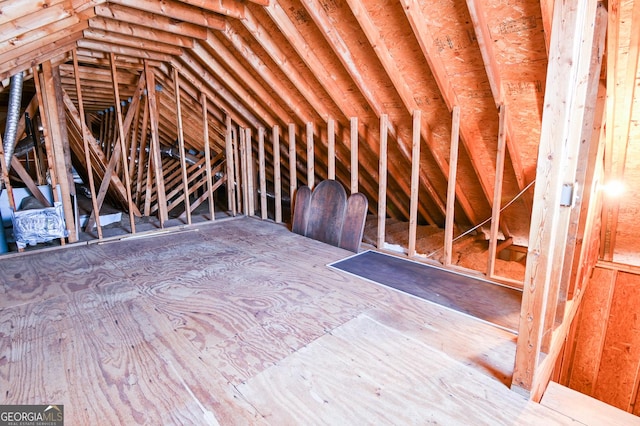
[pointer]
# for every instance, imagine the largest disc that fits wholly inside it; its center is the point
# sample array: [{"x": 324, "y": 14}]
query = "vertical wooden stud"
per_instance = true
[
  {"x": 207, "y": 155},
  {"x": 497, "y": 192},
  {"x": 293, "y": 169},
  {"x": 85, "y": 141},
  {"x": 451, "y": 185},
  {"x": 161, "y": 197},
  {"x": 354, "y": 154},
  {"x": 415, "y": 181},
  {"x": 183, "y": 162},
  {"x": 310, "y": 159},
  {"x": 231, "y": 181},
  {"x": 276, "y": 173},
  {"x": 263, "y": 178},
  {"x": 382, "y": 180},
  {"x": 250, "y": 177},
  {"x": 331, "y": 147},
  {"x": 50, "y": 76}
]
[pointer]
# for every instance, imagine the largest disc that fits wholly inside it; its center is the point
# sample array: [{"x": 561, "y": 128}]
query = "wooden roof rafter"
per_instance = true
[
  {"x": 251, "y": 91},
  {"x": 229, "y": 101},
  {"x": 127, "y": 15},
  {"x": 137, "y": 32},
  {"x": 426, "y": 41},
  {"x": 328, "y": 83},
  {"x": 485, "y": 42},
  {"x": 171, "y": 9},
  {"x": 380, "y": 47},
  {"x": 341, "y": 49}
]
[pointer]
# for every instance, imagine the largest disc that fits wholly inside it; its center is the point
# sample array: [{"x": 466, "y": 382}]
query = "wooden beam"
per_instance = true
[
  {"x": 171, "y": 9},
  {"x": 497, "y": 193},
  {"x": 84, "y": 131},
  {"x": 563, "y": 115},
  {"x": 242, "y": 147},
  {"x": 382, "y": 181},
  {"x": 207, "y": 156},
  {"x": 293, "y": 168},
  {"x": 133, "y": 52},
  {"x": 50, "y": 79},
  {"x": 125, "y": 41},
  {"x": 231, "y": 180},
  {"x": 413, "y": 11},
  {"x": 451, "y": 188},
  {"x": 621, "y": 81},
  {"x": 279, "y": 56},
  {"x": 310, "y": 156},
  {"x": 250, "y": 177},
  {"x": 331, "y": 148},
  {"x": 263, "y": 177},
  {"x": 406, "y": 93},
  {"x": 485, "y": 43},
  {"x": 415, "y": 182},
  {"x": 230, "y": 8},
  {"x": 239, "y": 88},
  {"x": 142, "y": 18},
  {"x": 215, "y": 89},
  {"x": 155, "y": 144},
  {"x": 123, "y": 31},
  {"x": 277, "y": 183},
  {"x": 32, "y": 28},
  {"x": 354, "y": 153},
  {"x": 180, "y": 130},
  {"x": 122, "y": 137}
]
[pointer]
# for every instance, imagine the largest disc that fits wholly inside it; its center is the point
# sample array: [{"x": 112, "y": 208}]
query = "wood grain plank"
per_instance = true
[{"x": 390, "y": 379}]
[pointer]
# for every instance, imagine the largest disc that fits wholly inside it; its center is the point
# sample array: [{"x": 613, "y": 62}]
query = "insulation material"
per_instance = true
[{"x": 31, "y": 227}]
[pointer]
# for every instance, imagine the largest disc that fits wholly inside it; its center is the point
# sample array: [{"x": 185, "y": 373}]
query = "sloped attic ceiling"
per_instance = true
[{"x": 277, "y": 62}]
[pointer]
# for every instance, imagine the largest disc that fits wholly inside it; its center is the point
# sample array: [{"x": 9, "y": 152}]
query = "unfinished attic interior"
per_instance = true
[{"x": 180, "y": 178}]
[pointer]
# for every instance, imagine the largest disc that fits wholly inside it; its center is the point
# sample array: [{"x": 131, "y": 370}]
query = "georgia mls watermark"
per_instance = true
[{"x": 31, "y": 415}]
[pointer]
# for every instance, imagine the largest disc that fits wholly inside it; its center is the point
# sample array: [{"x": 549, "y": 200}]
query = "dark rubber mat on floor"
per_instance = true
[{"x": 488, "y": 301}]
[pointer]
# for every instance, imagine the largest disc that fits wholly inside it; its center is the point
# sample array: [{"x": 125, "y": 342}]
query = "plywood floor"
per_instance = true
[{"x": 241, "y": 322}]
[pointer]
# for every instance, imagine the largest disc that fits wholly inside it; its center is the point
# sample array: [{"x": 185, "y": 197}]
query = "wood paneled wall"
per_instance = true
[{"x": 602, "y": 354}]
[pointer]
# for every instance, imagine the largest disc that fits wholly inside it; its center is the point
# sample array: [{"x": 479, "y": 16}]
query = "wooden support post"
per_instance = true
[
  {"x": 155, "y": 144},
  {"x": 207, "y": 156},
  {"x": 276, "y": 173},
  {"x": 354, "y": 154},
  {"x": 310, "y": 159},
  {"x": 331, "y": 148},
  {"x": 87, "y": 156},
  {"x": 51, "y": 78},
  {"x": 415, "y": 182},
  {"x": 40, "y": 92},
  {"x": 250, "y": 178},
  {"x": 237, "y": 170},
  {"x": 133, "y": 149},
  {"x": 183, "y": 161},
  {"x": 263, "y": 177},
  {"x": 122, "y": 136},
  {"x": 231, "y": 180},
  {"x": 242, "y": 146},
  {"x": 594, "y": 113},
  {"x": 382, "y": 180},
  {"x": 451, "y": 186},
  {"x": 293, "y": 169},
  {"x": 497, "y": 191},
  {"x": 562, "y": 122},
  {"x": 142, "y": 158}
]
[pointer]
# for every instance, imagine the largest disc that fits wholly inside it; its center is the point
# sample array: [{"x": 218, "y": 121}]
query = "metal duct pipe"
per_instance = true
[{"x": 13, "y": 117}]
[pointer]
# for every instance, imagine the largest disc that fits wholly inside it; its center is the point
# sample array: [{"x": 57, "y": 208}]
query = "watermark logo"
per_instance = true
[{"x": 31, "y": 415}]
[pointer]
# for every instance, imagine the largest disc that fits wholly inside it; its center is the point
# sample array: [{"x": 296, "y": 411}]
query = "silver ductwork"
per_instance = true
[{"x": 13, "y": 117}]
